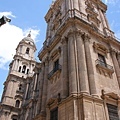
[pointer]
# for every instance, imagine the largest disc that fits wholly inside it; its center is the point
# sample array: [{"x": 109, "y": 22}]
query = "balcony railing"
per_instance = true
[
  {"x": 55, "y": 69},
  {"x": 104, "y": 65}
]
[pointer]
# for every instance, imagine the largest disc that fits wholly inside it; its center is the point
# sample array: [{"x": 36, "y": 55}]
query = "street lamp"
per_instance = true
[{"x": 3, "y": 20}]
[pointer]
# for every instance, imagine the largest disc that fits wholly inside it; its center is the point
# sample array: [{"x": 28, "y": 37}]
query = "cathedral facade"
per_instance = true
[{"x": 78, "y": 77}]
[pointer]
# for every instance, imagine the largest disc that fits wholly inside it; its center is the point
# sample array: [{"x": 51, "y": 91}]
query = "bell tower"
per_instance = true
[
  {"x": 20, "y": 68},
  {"x": 80, "y": 60}
]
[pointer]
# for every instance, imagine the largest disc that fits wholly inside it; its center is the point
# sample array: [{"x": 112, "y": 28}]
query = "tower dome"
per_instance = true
[{"x": 28, "y": 39}]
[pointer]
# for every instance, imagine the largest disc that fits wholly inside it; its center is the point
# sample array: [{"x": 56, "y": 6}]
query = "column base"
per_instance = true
[
  {"x": 81, "y": 107},
  {"x": 43, "y": 113},
  {"x": 41, "y": 116},
  {"x": 95, "y": 95},
  {"x": 84, "y": 92}
]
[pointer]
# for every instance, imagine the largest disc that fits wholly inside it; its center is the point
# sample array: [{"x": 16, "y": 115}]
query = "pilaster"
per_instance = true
[
  {"x": 44, "y": 95},
  {"x": 118, "y": 58},
  {"x": 89, "y": 64},
  {"x": 84, "y": 87},
  {"x": 65, "y": 80},
  {"x": 116, "y": 65},
  {"x": 72, "y": 63},
  {"x": 102, "y": 18},
  {"x": 36, "y": 77},
  {"x": 119, "y": 108},
  {"x": 41, "y": 78}
]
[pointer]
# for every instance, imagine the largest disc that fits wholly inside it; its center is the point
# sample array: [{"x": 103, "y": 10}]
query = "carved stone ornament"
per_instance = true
[
  {"x": 89, "y": 4},
  {"x": 19, "y": 96},
  {"x": 110, "y": 95},
  {"x": 64, "y": 40},
  {"x": 79, "y": 32},
  {"x": 55, "y": 77},
  {"x": 86, "y": 37},
  {"x": 55, "y": 53},
  {"x": 52, "y": 101},
  {"x": 104, "y": 70},
  {"x": 99, "y": 48}
]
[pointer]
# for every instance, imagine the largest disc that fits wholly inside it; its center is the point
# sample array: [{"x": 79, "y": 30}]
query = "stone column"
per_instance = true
[
  {"x": 30, "y": 112},
  {"x": 17, "y": 64},
  {"x": 72, "y": 63},
  {"x": 116, "y": 65},
  {"x": 31, "y": 69},
  {"x": 118, "y": 102},
  {"x": 84, "y": 87},
  {"x": 12, "y": 87},
  {"x": 106, "y": 21},
  {"x": 26, "y": 91},
  {"x": 44, "y": 95},
  {"x": 76, "y": 4},
  {"x": 65, "y": 80},
  {"x": 102, "y": 18},
  {"x": 89, "y": 64},
  {"x": 14, "y": 65},
  {"x": 82, "y": 8},
  {"x": 41, "y": 78},
  {"x": 118, "y": 57},
  {"x": 9, "y": 89},
  {"x": 36, "y": 76}
]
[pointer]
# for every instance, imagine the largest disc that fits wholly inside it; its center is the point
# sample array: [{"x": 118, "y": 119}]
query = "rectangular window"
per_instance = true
[
  {"x": 56, "y": 65},
  {"x": 102, "y": 60},
  {"x": 113, "y": 112},
  {"x": 54, "y": 114}
]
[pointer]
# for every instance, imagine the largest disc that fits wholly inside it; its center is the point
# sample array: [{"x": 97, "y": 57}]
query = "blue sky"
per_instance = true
[{"x": 29, "y": 15}]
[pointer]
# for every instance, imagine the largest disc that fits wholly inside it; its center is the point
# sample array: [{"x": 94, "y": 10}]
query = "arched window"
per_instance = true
[
  {"x": 27, "y": 50},
  {"x": 20, "y": 87},
  {"x": 17, "y": 104},
  {"x": 24, "y": 69},
  {"x": 27, "y": 71},
  {"x": 19, "y": 69}
]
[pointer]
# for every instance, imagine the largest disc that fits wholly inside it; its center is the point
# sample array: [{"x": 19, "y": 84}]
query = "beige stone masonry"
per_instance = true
[
  {"x": 65, "y": 80},
  {"x": 90, "y": 71},
  {"x": 116, "y": 65},
  {"x": 72, "y": 64},
  {"x": 84, "y": 87}
]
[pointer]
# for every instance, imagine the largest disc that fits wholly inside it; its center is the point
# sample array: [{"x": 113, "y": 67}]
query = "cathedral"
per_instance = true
[{"x": 78, "y": 76}]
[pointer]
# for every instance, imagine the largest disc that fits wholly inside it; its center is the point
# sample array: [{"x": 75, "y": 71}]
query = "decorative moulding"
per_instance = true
[
  {"x": 99, "y": 48},
  {"x": 56, "y": 53}
]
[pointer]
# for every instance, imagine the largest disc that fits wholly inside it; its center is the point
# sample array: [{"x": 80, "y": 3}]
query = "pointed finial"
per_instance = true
[{"x": 29, "y": 35}]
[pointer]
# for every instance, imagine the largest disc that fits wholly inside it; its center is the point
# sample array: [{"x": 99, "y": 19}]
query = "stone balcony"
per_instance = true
[
  {"x": 104, "y": 68},
  {"x": 55, "y": 71}
]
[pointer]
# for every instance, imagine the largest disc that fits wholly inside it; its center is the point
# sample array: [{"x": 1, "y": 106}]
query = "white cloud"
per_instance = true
[
  {"x": 10, "y": 36},
  {"x": 34, "y": 33},
  {"x": 7, "y": 14}
]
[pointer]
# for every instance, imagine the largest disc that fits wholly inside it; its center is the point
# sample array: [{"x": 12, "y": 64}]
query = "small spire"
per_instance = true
[{"x": 29, "y": 35}]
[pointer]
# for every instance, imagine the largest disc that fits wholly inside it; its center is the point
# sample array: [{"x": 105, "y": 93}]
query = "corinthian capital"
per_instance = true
[
  {"x": 64, "y": 40},
  {"x": 78, "y": 32},
  {"x": 113, "y": 51},
  {"x": 46, "y": 60},
  {"x": 70, "y": 33},
  {"x": 86, "y": 37},
  {"x": 118, "y": 54}
]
